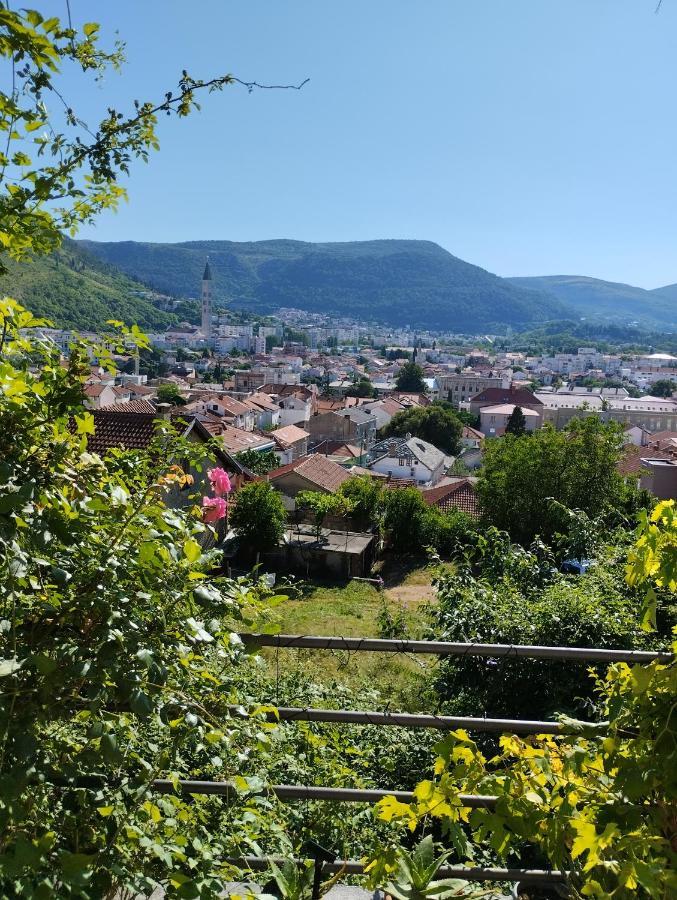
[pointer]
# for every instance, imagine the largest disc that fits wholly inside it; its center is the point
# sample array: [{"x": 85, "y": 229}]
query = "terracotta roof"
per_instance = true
[
  {"x": 131, "y": 406},
  {"x": 288, "y": 435},
  {"x": 235, "y": 439},
  {"x": 94, "y": 390},
  {"x": 469, "y": 432},
  {"x": 317, "y": 470},
  {"x": 260, "y": 400},
  {"x": 630, "y": 464},
  {"x": 495, "y": 396},
  {"x": 662, "y": 439},
  {"x": 459, "y": 495},
  {"x": 128, "y": 430}
]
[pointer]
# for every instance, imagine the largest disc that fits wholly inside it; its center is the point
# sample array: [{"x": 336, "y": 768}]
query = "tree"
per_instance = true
[
  {"x": 516, "y": 423},
  {"x": 362, "y": 388},
  {"x": 435, "y": 424},
  {"x": 257, "y": 461},
  {"x": 366, "y": 495},
  {"x": 113, "y": 623},
  {"x": 258, "y": 517},
  {"x": 664, "y": 387},
  {"x": 410, "y": 379},
  {"x": 323, "y": 505},
  {"x": 169, "y": 393},
  {"x": 406, "y": 517},
  {"x": 576, "y": 467},
  {"x": 597, "y": 801}
]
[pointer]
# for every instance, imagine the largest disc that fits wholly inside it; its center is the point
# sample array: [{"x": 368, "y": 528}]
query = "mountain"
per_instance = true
[
  {"x": 76, "y": 289},
  {"x": 598, "y": 299},
  {"x": 400, "y": 282}
]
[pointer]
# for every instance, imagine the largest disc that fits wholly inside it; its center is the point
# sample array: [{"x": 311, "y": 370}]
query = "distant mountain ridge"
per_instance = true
[
  {"x": 595, "y": 298},
  {"x": 401, "y": 282}
]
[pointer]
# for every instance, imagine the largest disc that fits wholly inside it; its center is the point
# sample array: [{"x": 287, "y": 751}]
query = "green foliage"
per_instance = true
[
  {"x": 405, "y": 520},
  {"x": 113, "y": 624},
  {"x": 362, "y": 388},
  {"x": 435, "y": 424},
  {"x": 414, "y": 875},
  {"x": 76, "y": 290},
  {"x": 258, "y": 516},
  {"x": 170, "y": 393},
  {"x": 664, "y": 387},
  {"x": 410, "y": 378},
  {"x": 366, "y": 496},
  {"x": 576, "y": 467},
  {"x": 530, "y": 604},
  {"x": 322, "y": 505},
  {"x": 257, "y": 461}
]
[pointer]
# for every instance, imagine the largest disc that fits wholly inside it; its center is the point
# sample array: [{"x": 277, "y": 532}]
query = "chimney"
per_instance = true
[{"x": 164, "y": 411}]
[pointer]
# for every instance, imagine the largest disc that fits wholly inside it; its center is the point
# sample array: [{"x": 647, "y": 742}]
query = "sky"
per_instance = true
[{"x": 529, "y": 137}]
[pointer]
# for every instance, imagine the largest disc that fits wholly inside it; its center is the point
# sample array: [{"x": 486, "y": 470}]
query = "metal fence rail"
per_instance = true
[
  {"x": 354, "y": 867},
  {"x": 448, "y": 648},
  {"x": 228, "y": 790},
  {"x": 411, "y": 720}
]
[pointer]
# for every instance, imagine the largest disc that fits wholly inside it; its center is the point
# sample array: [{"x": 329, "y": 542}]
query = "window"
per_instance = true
[{"x": 412, "y": 471}]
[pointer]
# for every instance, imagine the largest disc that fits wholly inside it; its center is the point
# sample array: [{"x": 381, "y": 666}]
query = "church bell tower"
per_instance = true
[{"x": 207, "y": 302}]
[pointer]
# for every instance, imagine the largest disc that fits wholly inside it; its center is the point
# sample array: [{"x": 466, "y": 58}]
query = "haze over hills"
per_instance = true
[
  {"x": 594, "y": 298},
  {"x": 75, "y": 289},
  {"x": 400, "y": 282}
]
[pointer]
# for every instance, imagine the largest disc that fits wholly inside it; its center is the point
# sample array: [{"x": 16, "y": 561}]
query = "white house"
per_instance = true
[{"x": 409, "y": 458}]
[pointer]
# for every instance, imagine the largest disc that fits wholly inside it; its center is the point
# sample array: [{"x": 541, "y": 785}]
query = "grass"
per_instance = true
[{"x": 352, "y": 610}]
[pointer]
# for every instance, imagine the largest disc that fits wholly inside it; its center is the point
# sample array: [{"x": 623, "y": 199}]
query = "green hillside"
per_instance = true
[
  {"x": 77, "y": 290},
  {"x": 395, "y": 281},
  {"x": 594, "y": 298}
]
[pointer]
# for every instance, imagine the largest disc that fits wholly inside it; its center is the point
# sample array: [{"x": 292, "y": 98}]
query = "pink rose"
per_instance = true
[
  {"x": 220, "y": 481},
  {"x": 213, "y": 509}
]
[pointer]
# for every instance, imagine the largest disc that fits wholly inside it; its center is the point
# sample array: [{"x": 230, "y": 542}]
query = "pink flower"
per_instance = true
[
  {"x": 213, "y": 509},
  {"x": 220, "y": 481}
]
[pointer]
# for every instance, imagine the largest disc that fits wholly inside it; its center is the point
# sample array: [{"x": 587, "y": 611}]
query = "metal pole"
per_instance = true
[
  {"x": 311, "y": 792},
  {"x": 354, "y": 867},
  {"x": 411, "y": 720},
  {"x": 447, "y": 648}
]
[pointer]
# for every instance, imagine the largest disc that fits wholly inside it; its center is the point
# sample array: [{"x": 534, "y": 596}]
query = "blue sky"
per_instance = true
[{"x": 526, "y": 136}]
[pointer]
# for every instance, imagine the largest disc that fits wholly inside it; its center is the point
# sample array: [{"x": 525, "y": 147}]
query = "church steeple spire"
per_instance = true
[{"x": 207, "y": 301}]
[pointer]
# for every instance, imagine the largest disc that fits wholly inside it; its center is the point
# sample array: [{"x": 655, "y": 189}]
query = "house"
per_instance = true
[
  {"x": 659, "y": 476},
  {"x": 351, "y": 426},
  {"x": 409, "y": 458},
  {"x": 459, "y": 493},
  {"x": 458, "y": 388},
  {"x": 264, "y": 408},
  {"x": 235, "y": 440},
  {"x": 97, "y": 395},
  {"x": 338, "y": 554},
  {"x": 471, "y": 438},
  {"x": 291, "y": 443},
  {"x": 234, "y": 413},
  {"x": 494, "y": 419},
  {"x": 313, "y": 473}
]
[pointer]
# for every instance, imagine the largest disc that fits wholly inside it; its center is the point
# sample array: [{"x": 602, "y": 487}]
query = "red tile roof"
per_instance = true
[
  {"x": 316, "y": 469},
  {"x": 131, "y": 406},
  {"x": 630, "y": 463},
  {"x": 495, "y": 396},
  {"x": 457, "y": 495},
  {"x": 128, "y": 430}
]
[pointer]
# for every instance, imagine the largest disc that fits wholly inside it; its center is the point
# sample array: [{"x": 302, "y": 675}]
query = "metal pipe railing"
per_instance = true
[
  {"x": 411, "y": 720},
  {"x": 311, "y": 792},
  {"x": 354, "y": 867},
  {"x": 448, "y": 648}
]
